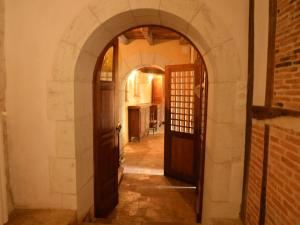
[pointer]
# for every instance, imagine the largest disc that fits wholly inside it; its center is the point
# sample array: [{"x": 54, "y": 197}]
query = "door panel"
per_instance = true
[
  {"x": 203, "y": 94},
  {"x": 157, "y": 90},
  {"x": 182, "y": 156},
  {"x": 182, "y": 139},
  {"x": 106, "y": 149}
]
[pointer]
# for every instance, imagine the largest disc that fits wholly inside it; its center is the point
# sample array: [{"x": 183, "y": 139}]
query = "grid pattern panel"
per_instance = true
[{"x": 182, "y": 101}]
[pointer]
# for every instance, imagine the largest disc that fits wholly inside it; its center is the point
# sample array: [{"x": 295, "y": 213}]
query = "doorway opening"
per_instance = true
[
  {"x": 158, "y": 121},
  {"x": 144, "y": 105}
]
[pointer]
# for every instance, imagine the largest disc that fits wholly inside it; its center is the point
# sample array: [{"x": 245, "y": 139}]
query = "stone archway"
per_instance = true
[
  {"x": 132, "y": 62},
  {"x": 70, "y": 94},
  {"x": 123, "y": 115}
]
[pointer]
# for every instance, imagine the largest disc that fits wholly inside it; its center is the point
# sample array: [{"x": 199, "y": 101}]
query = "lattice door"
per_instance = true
[
  {"x": 182, "y": 101},
  {"x": 182, "y": 122}
]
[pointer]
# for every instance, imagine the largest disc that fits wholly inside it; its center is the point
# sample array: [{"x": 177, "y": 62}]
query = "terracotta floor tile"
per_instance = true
[{"x": 147, "y": 198}]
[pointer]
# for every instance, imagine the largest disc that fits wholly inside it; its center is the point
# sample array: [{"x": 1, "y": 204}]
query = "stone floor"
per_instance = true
[
  {"x": 42, "y": 217},
  {"x": 152, "y": 199},
  {"x": 146, "y": 156}
]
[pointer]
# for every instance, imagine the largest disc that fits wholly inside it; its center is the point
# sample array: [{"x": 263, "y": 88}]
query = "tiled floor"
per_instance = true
[
  {"x": 151, "y": 199},
  {"x": 146, "y": 196},
  {"x": 146, "y": 156}
]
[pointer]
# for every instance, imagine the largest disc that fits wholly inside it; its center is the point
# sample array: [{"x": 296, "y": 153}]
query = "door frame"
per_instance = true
[
  {"x": 98, "y": 64},
  {"x": 97, "y": 188}
]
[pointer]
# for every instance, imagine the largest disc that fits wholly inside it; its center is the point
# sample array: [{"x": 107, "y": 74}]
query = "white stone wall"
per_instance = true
[
  {"x": 51, "y": 51},
  {"x": 2, "y": 100},
  {"x": 261, "y": 32}
]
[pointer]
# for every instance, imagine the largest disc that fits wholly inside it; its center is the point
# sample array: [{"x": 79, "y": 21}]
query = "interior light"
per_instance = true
[
  {"x": 150, "y": 77},
  {"x": 132, "y": 75}
]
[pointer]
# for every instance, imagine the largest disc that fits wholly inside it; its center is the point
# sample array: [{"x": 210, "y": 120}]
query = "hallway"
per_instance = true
[
  {"x": 145, "y": 195},
  {"x": 146, "y": 156}
]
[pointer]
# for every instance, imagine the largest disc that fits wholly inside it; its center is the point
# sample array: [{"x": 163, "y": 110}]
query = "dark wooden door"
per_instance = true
[
  {"x": 105, "y": 134},
  {"x": 182, "y": 122},
  {"x": 157, "y": 90},
  {"x": 202, "y": 92}
]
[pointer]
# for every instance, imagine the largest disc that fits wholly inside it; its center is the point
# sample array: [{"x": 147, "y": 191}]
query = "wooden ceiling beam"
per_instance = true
[
  {"x": 123, "y": 39},
  {"x": 183, "y": 41},
  {"x": 148, "y": 35},
  {"x": 153, "y": 70}
]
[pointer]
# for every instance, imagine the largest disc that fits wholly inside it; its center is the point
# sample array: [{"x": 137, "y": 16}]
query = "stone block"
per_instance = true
[
  {"x": 144, "y": 4},
  {"x": 83, "y": 99},
  {"x": 105, "y": 10},
  {"x": 220, "y": 57},
  {"x": 225, "y": 140},
  {"x": 83, "y": 133},
  {"x": 85, "y": 200},
  {"x": 84, "y": 167},
  {"x": 97, "y": 41},
  {"x": 69, "y": 201},
  {"x": 212, "y": 29},
  {"x": 220, "y": 183},
  {"x": 60, "y": 99},
  {"x": 221, "y": 102},
  {"x": 236, "y": 181},
  {"x": 81, "y": 28},
  {"x": 65, "y": 61},
  {"x": 62, "y": 175},
  {"x": 177, "y": 23},
  {"x": 85, "y": 67},
  {"x": 65, "y": 138},
  {"x": 147, "y": 19},
  {"x": 184, "y": 9}
]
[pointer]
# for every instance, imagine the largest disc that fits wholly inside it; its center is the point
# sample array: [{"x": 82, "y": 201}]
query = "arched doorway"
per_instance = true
[
  {"x": 73, "y": 99},
  {"x": 185, "y": 100}
]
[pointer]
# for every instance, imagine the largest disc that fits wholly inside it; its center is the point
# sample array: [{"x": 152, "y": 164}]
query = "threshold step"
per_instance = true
[{"x": 42, "y": 217}]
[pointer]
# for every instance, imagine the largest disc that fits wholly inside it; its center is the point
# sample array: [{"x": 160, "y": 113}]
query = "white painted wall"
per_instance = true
[
  {"x": 261, "y": 31},
  {"x": 32, "y": 32}
]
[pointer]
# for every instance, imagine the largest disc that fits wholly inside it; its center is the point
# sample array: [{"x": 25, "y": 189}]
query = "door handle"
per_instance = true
[{"x": 118, "y": 127}]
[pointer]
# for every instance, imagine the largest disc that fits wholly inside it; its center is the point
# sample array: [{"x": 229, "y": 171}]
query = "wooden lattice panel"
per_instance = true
[{"x": 182, "y": 101}]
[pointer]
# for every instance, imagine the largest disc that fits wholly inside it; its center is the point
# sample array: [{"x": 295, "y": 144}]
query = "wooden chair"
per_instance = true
[{"x": 153, "y": 118}]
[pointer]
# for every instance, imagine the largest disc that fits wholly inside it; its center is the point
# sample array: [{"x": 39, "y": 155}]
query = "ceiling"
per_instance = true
[{"x": 153, "y": 34}]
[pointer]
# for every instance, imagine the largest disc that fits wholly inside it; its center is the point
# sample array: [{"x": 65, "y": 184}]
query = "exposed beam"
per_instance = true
[
  {"x": 148, "y": 35},
  {"x": 123, "y": 39},
  {"x": 151, "y": 70},
  {"x": 183, "y": 41}
]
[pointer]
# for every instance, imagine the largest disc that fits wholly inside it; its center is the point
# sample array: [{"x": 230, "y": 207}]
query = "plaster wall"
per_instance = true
[
  {"x": 33, "y": 30},
  {"x": 261, "y": 31},
  {"x": 51, "y": 50},
  {"x": 139, "y": 89},
  {"x": 138, "y": 54}
]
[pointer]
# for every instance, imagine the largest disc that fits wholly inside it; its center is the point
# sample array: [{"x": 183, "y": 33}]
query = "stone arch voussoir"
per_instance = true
[{"x": 70, "y": 92}]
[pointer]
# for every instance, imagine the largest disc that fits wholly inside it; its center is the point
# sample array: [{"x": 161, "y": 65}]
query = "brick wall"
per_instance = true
[
  {"x": 255, "y": 174},
  {"x": 287, "y": 56},
  {"x": 282, "y": 192},
  {"x": 283, "y": 182}
]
